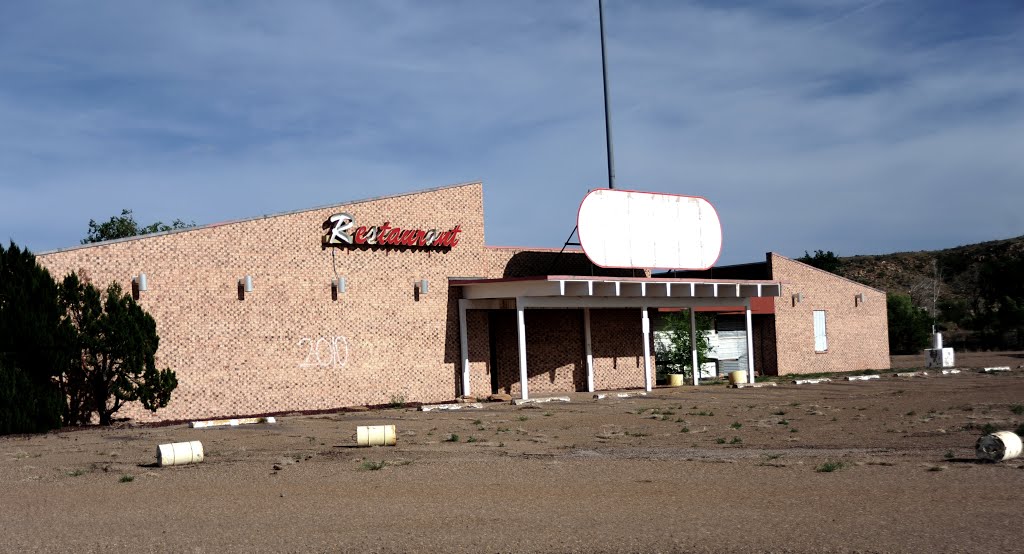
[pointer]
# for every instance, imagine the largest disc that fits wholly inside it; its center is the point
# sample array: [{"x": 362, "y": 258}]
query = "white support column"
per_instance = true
[
  {"x": 750, "y": 343},
  {"x": 645, "y": 323},
  {"x": 693, "y": 346},
  {"x": 464, "y": 346},
  {"x": 521, "y": 330},
  {"x": 589, "y": 352}
]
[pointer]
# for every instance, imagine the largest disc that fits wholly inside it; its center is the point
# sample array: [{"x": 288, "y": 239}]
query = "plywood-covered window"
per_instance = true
[{"x": 820, "y": 337}]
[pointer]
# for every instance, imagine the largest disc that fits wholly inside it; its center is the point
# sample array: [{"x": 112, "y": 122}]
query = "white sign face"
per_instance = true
[{"x": 646, "y": 230}]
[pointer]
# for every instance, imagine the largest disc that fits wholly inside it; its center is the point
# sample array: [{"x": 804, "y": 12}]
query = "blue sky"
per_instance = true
[{"x": 853, "y": 126}]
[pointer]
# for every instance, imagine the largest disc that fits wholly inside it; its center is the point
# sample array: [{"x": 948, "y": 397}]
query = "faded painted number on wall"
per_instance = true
[{"x": 324, "y": 351}]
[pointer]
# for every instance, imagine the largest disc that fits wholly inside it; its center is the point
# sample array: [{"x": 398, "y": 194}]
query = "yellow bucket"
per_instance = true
[
  {"x": 675, "y": 379},
  {"x": 737, "y": 377},
  {"x": 375, "y": 435}
]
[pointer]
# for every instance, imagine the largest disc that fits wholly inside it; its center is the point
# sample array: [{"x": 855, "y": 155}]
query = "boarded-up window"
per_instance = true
[{"x": 820, "y": 340}]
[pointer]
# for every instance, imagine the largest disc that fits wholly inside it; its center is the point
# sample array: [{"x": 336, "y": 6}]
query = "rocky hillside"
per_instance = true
[{"x": 976, "y": 287}]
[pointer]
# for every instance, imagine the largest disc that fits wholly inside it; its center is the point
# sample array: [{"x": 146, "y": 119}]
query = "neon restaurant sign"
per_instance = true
[{"x": 341, "y": 232}]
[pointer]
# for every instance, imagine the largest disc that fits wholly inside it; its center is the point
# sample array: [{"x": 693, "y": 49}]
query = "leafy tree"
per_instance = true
[
  {"x": 32, "y": 341},
  {"x": 115, "y": 343},
  {"x": 827, "y": 261},
  {"x": 909, "y": 326},
  {"x": 675, "y": 355},
  {"x": 124, "y": 225}
]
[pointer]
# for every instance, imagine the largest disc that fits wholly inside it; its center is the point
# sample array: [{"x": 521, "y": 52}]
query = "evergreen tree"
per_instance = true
[
  {"x": 32, "y": 345},
  {"x": 115, "y": 343}
]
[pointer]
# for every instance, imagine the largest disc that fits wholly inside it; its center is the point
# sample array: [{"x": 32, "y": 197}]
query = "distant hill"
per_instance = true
[{"x": 976, "y": 290}]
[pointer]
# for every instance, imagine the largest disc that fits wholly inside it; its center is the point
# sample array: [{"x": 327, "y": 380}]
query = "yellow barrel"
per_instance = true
[
  {"x": 178, "y": 453},
  {"x": 675, "y": 379},
  {"x": 737, "y": 377},
  {"x": 375, "y": 435}
]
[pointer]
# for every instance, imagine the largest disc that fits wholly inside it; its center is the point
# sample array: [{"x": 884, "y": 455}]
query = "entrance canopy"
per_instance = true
[{"x": 566, "y": 291}]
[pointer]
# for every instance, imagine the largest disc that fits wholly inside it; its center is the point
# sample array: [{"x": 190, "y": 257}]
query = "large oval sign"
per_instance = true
[{"x": 630, "y": 229}]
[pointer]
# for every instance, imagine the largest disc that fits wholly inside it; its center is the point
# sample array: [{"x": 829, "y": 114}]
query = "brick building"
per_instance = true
[
  {"x": 393, "y": 298},
  {"x": 820, "y": 322}
]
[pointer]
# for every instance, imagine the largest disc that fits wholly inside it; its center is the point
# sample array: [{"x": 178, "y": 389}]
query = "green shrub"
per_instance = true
[
  {"x": 675, "y": 355},
  {"x": 829, "y": 467}
]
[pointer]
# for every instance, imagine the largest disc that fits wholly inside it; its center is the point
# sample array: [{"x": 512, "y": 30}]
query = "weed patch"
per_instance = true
[{"x": 829, "y": 467}]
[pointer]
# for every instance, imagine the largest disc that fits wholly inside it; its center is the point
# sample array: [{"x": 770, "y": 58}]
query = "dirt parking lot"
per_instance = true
[{"x": 877, "y": 466}]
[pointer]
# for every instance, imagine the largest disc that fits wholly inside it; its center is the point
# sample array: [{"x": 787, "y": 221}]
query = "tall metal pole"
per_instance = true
[{"x": 607, "y": 115}]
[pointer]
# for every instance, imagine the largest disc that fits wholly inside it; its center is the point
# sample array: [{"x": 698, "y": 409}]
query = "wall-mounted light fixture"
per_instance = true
[
  {"x": 858, "y": 299},
  {"x": 139, "y": 284},
  {"x": 420, "y": 288},
  {"x": 244, "y": 286},
  {"x": 798, "y": 298},
  {"x": 337, "y": 287}
]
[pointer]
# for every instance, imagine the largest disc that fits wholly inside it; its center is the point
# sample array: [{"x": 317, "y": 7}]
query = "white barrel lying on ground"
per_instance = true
[
  {"x": 999, "y": 446},
  {"x": 178, "y": 453},
  {"x": 375, "y": 435}
]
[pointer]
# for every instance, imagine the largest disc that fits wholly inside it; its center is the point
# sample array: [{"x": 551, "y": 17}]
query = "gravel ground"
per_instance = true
[{"x": 709, "y": 469}]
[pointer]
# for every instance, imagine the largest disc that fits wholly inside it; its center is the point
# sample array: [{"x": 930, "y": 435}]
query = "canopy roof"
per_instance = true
[{"x": 564, "y": 290}]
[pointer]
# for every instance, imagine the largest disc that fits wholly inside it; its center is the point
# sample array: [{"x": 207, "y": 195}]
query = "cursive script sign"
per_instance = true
[{"x": 341, "y": 231}]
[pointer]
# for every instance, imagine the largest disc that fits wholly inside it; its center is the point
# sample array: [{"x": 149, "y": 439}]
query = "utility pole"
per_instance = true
[{"x": 607, "y": 115}]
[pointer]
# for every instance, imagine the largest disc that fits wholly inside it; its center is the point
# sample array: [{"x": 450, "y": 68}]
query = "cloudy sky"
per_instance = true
[{"x": 853, "y": 126}]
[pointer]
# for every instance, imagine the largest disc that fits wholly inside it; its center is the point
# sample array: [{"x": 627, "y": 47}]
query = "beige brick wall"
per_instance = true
[
  {"x": 555, "y": 350},
  {"x": 618, "y": 348},
  {"x": 288, "y": 345},
  {"x": 857, "y": 334}
]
